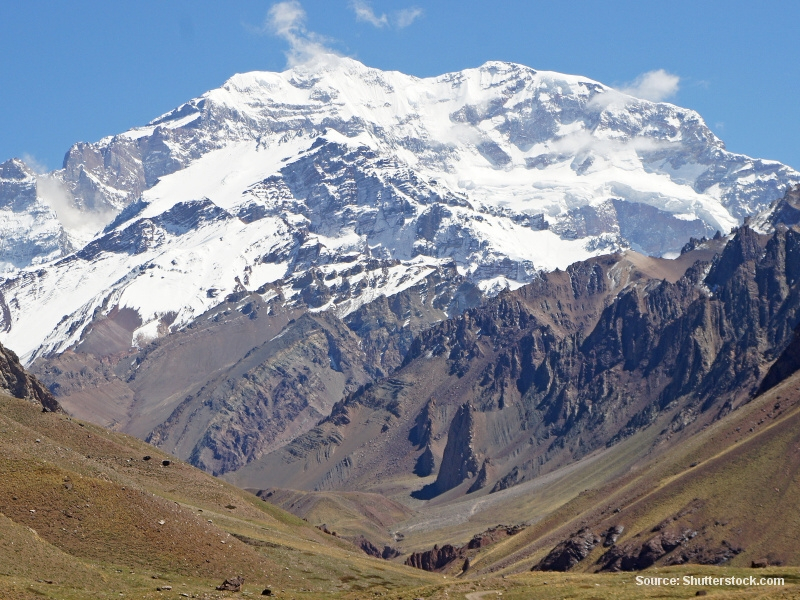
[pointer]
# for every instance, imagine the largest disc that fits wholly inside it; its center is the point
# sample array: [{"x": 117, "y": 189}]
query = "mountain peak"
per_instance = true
[{"x": 502, "y": 169}]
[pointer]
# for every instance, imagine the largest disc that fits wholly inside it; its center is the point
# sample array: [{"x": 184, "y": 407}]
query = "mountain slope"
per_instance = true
[
  {"x": 559, "y": 369},
  {"x": 84, "y": 511},
  {"x": 712, "y": 499}
]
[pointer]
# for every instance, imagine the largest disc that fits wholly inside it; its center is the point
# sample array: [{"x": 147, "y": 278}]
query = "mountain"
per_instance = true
[
  {"x": 554, "y": 372},
  {"x": 281, "y": 242},
  {"x": 503, "y": 169},
  {"x": 30, "y": 231}
]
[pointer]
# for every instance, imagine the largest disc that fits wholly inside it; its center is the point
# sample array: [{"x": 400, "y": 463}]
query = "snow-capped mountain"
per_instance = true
[
  {"x": 30, "y": 231},
  {"x": 334, "y": 183}
]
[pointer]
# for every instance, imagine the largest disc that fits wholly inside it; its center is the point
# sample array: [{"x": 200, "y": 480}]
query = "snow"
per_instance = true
[{"x": 505, "y": 140}]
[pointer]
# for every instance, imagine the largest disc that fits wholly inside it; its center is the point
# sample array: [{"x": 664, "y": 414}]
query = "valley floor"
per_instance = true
[{"x": 617, "y": 586}]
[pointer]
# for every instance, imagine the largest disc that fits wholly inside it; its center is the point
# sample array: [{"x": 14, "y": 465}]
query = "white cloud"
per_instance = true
[
  {"x": 365, "y": 13},
  {"x": 654, "y": 85},
  {"x": 33, "y": 163},
  {"x": 405, "y": 17},
  {"x": 399, "y": 19},
  {"x": 74, "y": 219},
  {"x": 287, "y": 20},
  {"x": 55, "y": 194}
]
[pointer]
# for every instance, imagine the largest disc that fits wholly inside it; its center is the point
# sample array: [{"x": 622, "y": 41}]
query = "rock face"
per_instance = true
[
  {"x": 577, "y": 361},
  {"x": 569, "y": 552},
  {"x": 635, "y": 557},
  {"x": 459, "y": 461},
  {"x": 21, "y": 384},
  {"x": 435, "y": 559}
]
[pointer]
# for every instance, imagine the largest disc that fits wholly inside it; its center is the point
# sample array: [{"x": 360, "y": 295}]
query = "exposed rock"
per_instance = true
[
  {"x": 365, "y": 545},
  {"x": 511, "y": 479},
  {"x": 389, "y": 553},
  {"x": 435, "y": 559},
  {"x": 785, "y": 211},
  {"x": 232, "y": 584},
  {"x": 700, "y": 553},
  {"x": 15, "y": 380},
  {"x": 636, "y": 556},
  {"x": 612, "y": 535},
  {"x": 493, "y": 535},
  {"x": 482, "y": 478},
  {"x": 371, "y": 549},
  {"x": 421, "y": 433},
  {"x": 570, "y": 552},
  {"x": 426, "y": 463},
  {"x": 788, "y": 362},
  {"x": 581, "y": 359},
  {"x": 459, "y": 461},
  {"x": 438, "y": 559}
]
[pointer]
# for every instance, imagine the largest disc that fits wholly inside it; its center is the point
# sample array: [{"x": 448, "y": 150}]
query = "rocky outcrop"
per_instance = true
[
  {"x": 15, "y": 380},
  {"x": 787, "y": 364},
  {"x": 371, "y": 549},
  {"x": 459, "y": 461},
  {"x": 636, "y": 556},
  {"x": 435, "y": 559},
  {"x": 569, "y": 552},
  {"x": 612, "y": 535},
  {"x": 426, "y": 463},
  {"x": 483, "y": 477},
  {"x": 421, "y": 433},
  {"x": 510, "y": 479},
  {"x": 232, "y": 584},
  {"x": 493, "y": 535},
  {"x": 439, "y": 559},
  {"x": 784, "y": 211}
]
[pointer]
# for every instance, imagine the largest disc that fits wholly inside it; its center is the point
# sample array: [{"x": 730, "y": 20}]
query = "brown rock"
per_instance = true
[
  {"x": 233, "y": 584},
  {"x": 569, "y": 552}
]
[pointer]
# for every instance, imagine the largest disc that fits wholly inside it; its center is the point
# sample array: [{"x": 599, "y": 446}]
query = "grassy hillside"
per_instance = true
[
  {"x": 734, "y": 487},
  {"x": 84, "y": 515}
]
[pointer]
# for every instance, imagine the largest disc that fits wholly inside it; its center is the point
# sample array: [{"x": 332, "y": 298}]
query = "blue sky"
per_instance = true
[{"x": 81, "y": 70}]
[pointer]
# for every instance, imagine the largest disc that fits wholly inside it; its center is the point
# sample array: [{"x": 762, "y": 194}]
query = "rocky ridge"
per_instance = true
[
  {"x": 575, "y": 362},
  {"x": 17, "y": 382}
]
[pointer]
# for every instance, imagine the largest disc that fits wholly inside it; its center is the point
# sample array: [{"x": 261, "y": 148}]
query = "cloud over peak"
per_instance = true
[
  {"x": 655, "y": 85},
  {"x": 287, "y": 20}
]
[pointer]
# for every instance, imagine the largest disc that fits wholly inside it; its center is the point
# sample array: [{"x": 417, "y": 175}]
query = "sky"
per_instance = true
[{"x": 81, "y": 70}]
